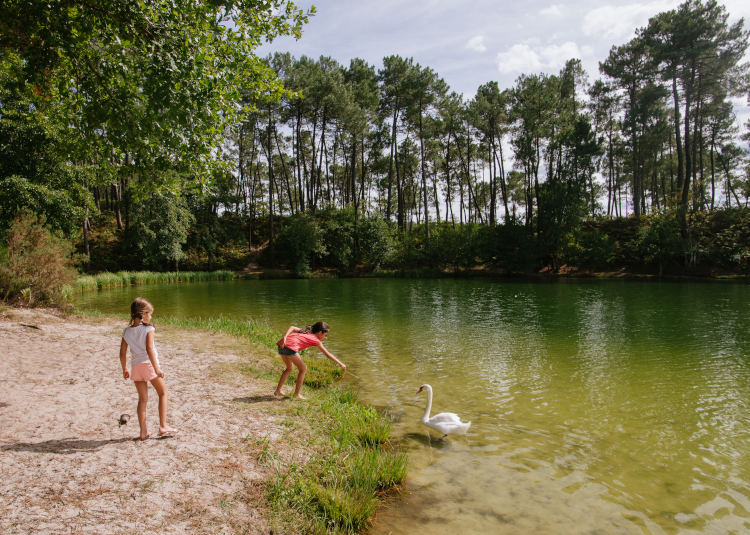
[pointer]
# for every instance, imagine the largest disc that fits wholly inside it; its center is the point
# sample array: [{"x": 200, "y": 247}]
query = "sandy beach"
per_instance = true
[{"x": 68, "y": 466}]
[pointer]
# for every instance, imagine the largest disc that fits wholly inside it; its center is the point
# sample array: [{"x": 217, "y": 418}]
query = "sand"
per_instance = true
[{"x": 67, "y": 465}]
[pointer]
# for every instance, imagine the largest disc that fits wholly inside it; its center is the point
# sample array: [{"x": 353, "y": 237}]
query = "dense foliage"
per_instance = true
[
  {"x": 154, "y": 126},
  {"x": 35, "y": 264}
]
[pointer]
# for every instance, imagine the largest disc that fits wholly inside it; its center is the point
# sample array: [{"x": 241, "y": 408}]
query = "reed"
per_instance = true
[{"x": 129, "y": 278}]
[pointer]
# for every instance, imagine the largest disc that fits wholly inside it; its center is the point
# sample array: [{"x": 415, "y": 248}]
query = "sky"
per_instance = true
[{"x": 471, "y": 42}]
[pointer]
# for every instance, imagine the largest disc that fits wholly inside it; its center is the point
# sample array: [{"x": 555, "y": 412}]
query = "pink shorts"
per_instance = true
[{"x": 143, "y": 372}]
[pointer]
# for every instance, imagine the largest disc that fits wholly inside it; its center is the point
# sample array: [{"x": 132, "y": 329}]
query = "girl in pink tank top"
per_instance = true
[{"x": 294, "y": 341}]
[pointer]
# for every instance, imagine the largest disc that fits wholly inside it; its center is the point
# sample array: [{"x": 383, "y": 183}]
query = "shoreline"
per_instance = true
[
  {"x": 108, "y": 280},
  {"x": 68, "y": 466}
]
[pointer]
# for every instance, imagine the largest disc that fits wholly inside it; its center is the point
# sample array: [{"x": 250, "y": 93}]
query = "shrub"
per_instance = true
[
  {"x": 588, "y": 248},
  {"x": 36, "y": 264},
  {"x": 377, "y": 242},
  {"x": 337, "y": 233},
  {"x": 158, "y": 228},
  {"x": 724, "y": 238},
  {"x": 454, "y": 246},
  {"x": 300, "y": 238},
  {"x": 511, "y": 247},
  {"x": 659, "y": 243},
  {"x": 409, "y": 252}
]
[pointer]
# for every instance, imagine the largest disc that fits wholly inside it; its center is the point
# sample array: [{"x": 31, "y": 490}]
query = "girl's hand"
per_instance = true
[
  {"x": 343, "y": 366},
  {"x": 159, "y": 373},
  {"x": 125, "y": 374}
]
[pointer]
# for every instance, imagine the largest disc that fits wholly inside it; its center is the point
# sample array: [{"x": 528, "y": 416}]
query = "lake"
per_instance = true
[{"x": 596, "y": 406}]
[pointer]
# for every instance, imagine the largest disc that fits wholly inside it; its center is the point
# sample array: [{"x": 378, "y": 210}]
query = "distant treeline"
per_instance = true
[{"x": 179, "y": 157}]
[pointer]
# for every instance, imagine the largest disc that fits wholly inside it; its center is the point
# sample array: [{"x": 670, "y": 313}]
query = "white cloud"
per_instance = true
[
  {"x": 555, "y": 10},
  {"x": 528, "y": 59},
  {"x": 477, "y": 44},
  {"x": 618, "y": 23},
  {"x": 520, "y": 58}
]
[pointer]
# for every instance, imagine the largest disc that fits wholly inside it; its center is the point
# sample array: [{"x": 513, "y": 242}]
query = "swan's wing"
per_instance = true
[
  {"x": 446, "y": 417},
  {"x": 450, "y": 427}
]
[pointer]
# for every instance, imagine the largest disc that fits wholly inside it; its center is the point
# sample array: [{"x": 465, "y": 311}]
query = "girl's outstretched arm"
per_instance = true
[
  {"x": 152, "y": 354},
  {"x": 124, "y": 359},
  {"x": 290, "y": 330},
  {"x": 330, "y": 356}
]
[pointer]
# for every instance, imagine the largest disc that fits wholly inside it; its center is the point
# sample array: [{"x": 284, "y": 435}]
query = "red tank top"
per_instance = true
[{"x": 299, "y": 341}]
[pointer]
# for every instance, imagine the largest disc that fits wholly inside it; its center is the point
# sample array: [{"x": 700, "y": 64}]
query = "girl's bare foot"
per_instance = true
[
  {"x": 278, "y": 393},
  {"x": 300, "y": 396},
  {"x": 143, "y": 437},
  {"x": 166, "y": 431}
]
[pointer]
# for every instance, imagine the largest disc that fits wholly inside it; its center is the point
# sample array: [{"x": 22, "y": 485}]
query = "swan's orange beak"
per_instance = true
[{"x": 420, "y": 389}]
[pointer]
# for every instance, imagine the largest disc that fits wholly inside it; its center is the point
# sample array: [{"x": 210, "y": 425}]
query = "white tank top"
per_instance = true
[{"x": 136, "y": 340}]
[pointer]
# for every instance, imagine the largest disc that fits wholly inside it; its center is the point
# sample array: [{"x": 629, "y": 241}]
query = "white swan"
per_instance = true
[{"x": 447, "y": 423}]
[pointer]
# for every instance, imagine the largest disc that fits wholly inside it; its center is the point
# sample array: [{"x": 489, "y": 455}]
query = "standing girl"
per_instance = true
[
  {"x": 144, "y": 363},
  {"x": 294, "y": 341}
]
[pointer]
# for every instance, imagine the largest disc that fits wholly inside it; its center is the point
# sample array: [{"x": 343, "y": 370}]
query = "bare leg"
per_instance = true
[
  {"x": 161, "y": 390},
  {"x": 142, "y": 388},
  {"x": 284, "y": 374},
  {"x": 297, "y": 360}
]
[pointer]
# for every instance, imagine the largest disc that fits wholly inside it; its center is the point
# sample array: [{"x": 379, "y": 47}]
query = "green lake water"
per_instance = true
[{"x": 596, "y": 406}]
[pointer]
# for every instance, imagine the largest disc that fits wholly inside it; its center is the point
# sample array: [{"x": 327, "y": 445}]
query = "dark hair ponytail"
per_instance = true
[{"x": 320, "y": 326}]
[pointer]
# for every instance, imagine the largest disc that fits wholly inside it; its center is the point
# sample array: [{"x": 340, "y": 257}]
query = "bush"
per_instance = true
[
  {"x": 724, "y": 238},
  {"x": 454, "y": 246},
  {"x": 658, "y": 242},
  {"x": 510, "y": 247},
  {"x": 158, "y": 228},
  {"x": 36, "y": 265},
  {"x": 377, "y": 242},
  {"x": 588, "y": 248},
  {"x": 409, "y": 252},
  {"x": 337, "y": 233},
  {"x": 300, "y": 238}
]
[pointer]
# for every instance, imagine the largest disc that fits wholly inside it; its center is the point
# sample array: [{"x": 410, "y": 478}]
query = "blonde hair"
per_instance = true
[{"x": 137, "y": 308}]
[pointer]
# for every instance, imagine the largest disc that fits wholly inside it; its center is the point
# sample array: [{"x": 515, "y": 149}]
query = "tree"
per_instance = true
[
  {"x": 693, "y": 45},
  {"x": 490, "y": 114},
  {"x": 142, "y": 90},
  {"x": 159, "y": 228}
]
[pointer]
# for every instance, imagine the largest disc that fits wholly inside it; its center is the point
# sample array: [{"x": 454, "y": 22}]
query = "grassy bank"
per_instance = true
[
  {"x": 347, "y": 463},
  {"x": 352, "y": 465}
]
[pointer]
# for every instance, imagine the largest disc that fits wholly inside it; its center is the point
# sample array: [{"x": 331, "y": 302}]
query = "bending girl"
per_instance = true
[{"x": 294, "y": 341}]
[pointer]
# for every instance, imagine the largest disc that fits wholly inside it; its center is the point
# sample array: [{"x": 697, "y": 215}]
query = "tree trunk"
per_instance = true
[{"x": 424, "y": 178}]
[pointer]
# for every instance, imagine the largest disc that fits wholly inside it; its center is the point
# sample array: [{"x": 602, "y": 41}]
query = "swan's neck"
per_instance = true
[{"x": 429, "y": 406}]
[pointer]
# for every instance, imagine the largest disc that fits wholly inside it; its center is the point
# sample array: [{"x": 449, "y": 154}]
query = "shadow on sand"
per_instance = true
[
  {"x": 65, "y": 445},
  {"x": 260, "y": 399}
]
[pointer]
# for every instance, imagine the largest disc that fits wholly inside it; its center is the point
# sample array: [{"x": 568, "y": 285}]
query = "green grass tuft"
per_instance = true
[{"x": 338, "y": 493}]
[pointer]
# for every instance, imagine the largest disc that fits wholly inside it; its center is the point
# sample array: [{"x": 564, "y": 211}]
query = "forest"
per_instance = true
[{"x": 151, "y": 136}]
